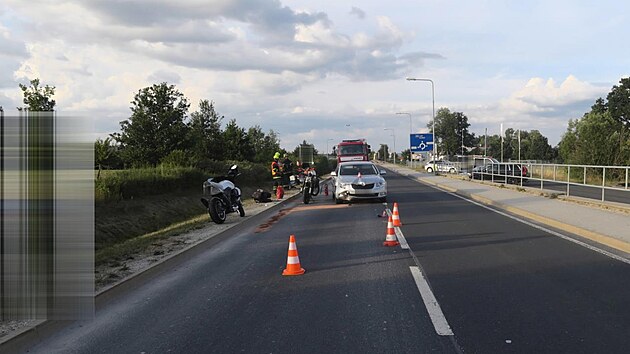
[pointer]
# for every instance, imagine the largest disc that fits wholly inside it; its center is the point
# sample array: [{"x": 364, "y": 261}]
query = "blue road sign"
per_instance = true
[{"x": 421, "y": 142}]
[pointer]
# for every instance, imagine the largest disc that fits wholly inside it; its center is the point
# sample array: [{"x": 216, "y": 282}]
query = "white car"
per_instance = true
[
  {"x": 358, "y": 180},
  {"x": 440, "y": 166}
]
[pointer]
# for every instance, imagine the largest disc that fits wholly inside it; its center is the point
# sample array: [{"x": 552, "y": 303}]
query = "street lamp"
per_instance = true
[
  {"x": 327, "y": 140},
  {"x": 410, "y": 132},
  {"x": 394, "y": 135},
  {"x": 433, "y": 100}
]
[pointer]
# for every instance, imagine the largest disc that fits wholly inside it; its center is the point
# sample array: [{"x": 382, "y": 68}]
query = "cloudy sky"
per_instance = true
[{"x": 325, "y": 70}]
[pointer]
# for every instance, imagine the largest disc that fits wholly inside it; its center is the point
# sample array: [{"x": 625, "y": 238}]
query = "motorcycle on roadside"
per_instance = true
[
  {"x": 221, "y": 196},
  {"x": 310, "y": 186}
]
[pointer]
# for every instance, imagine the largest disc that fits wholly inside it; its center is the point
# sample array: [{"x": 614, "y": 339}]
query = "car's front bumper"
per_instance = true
[{"x": 356, "y": 194}]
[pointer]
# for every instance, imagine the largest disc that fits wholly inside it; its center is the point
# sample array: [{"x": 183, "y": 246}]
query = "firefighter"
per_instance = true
[
  {"x": 276, "y": 175},
  {"x": 287, "y": 171}
]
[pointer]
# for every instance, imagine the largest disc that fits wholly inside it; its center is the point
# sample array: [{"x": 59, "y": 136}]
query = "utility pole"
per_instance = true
[{"x": 485, "y": 144}]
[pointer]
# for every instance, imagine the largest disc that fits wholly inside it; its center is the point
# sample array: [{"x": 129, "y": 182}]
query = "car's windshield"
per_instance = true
[
  {"x": 353, "y": 170},
  {"x": 351, "y": 149}
]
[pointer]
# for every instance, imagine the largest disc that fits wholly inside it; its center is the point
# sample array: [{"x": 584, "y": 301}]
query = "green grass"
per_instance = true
[{"x": 115, "y": 253}]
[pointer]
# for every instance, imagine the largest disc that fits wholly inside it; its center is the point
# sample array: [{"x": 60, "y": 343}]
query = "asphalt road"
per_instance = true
[{"x": 503, "y": 286}]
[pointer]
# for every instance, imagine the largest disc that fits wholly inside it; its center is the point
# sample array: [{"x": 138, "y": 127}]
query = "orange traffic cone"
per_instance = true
[
  {"x": 396, "y": 216},
  {"x": 390, "y": 237},
  {"x": 293, "y": 261}
]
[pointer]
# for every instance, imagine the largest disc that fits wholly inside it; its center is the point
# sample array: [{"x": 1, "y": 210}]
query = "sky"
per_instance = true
[{"x": 323, "y": 71}]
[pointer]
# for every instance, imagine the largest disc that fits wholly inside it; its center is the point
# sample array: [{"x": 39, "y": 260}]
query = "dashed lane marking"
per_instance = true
[{"x": 433, "y": 307}]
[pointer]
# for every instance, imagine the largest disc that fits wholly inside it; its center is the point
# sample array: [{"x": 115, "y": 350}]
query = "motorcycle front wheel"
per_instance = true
[
  {"x": 315, "y": 187},
  {"x": 306, "y": 194},
  {"x": 241, "y": 210},
  {"x": 217, "y": 211}
]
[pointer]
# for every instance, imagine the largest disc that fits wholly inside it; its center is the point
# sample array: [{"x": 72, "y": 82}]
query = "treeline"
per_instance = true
[
  {"x": 160, "y": 131},
  {"x": 454, "y": 138},
  {"x": 602, "y": 135}
]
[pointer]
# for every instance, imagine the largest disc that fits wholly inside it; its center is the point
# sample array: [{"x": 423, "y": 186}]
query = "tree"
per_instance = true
[
  {"x": 204, "y": 134},
  {"x": 568, "y": 142},
  {"x": 537, "y": 147},
  {"x": 601, "y": 136},
  {"x": 494, "y": 146},
  {"x": 235, "y": 142},
  {"x": 598, "y": 139},
  {"x": 263, "y": 145},
  {"x": 619, "y": 102},
  {"x": 103, "y": 153},
  {"x": 383, "y": 152},
  {"x": 449, "y": 128},
  {"x": 156, "y": 126},
  {"x": 619, "y": 108},
  {"x": 38, "y": 99}
]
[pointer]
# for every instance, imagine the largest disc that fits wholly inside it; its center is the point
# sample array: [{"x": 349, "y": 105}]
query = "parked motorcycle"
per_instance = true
[
  {"x": 222, "y": 196},
  {"x": 310, "y": 186}
]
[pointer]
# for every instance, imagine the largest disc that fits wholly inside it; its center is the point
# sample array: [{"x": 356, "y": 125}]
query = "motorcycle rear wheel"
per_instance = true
[{"x": 216, "y": 210}]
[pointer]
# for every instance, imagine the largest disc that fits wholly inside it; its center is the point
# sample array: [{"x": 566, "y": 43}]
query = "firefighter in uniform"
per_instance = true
[{"x": 276, "y": 175}]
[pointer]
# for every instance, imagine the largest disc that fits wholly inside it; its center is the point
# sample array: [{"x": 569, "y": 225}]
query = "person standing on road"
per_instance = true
[
  {"x": 287, "y": 171},
  {"x": 276, "y": 175}
]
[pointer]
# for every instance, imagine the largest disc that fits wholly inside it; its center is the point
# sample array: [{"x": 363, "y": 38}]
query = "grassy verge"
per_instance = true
[{"x": 121, "y": 251}]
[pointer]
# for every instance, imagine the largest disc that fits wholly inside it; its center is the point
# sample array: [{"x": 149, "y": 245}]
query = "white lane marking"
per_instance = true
[
  {"x": 401, "y": 238},
  {"x": 583, "y": 244},
  {"x": 435, "y": 311}
]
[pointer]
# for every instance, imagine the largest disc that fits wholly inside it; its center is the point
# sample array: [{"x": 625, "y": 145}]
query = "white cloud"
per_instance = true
[
  {"x": 548, "y": 94},
  {"x": 170, "y": 77},
  {"x": 538, "y": 104}
]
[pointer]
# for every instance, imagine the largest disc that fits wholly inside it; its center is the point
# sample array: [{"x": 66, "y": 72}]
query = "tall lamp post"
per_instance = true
[
  {"x": 433, "y": 100},
  {"x": 394, "y": 135},
  {"x": 410, "y": 132},
  {"x": 327, "y": 140}
]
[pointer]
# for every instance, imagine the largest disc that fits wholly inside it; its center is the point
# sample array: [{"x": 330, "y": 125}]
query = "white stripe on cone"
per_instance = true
[{"x": 293, "y": 260}]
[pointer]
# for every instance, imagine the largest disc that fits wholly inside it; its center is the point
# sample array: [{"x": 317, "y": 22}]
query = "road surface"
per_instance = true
[{"x": 498, "y": 285}]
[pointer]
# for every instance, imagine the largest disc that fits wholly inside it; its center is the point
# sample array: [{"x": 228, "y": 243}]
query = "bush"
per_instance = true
[
  {"x": 114, "y": 185},
  {"x": 132, "y": 183},
  {"x": 177, "y": 158}
]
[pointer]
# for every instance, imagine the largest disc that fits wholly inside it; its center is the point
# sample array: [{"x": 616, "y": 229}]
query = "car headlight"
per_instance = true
[
  {"x": 379, "y": 184},
  {"x": 344, "y": 185}
]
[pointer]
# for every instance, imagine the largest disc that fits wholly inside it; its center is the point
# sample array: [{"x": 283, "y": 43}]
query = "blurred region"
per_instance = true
[{"x": 47, "y": 224}]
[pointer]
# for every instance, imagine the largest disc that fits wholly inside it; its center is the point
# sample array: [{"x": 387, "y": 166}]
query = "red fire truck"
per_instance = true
[{"x": 353, "y": 150}]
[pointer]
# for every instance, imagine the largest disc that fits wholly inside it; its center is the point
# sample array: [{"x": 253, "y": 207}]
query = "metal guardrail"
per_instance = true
[{"x": 604, "y": 178}]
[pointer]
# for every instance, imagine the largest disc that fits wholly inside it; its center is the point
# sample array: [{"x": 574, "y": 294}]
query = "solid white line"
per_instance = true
[
  {"x": 435, "y": 312},
  {"x": 401, "y": 238},
  {"x": 583, "y": 244}
]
